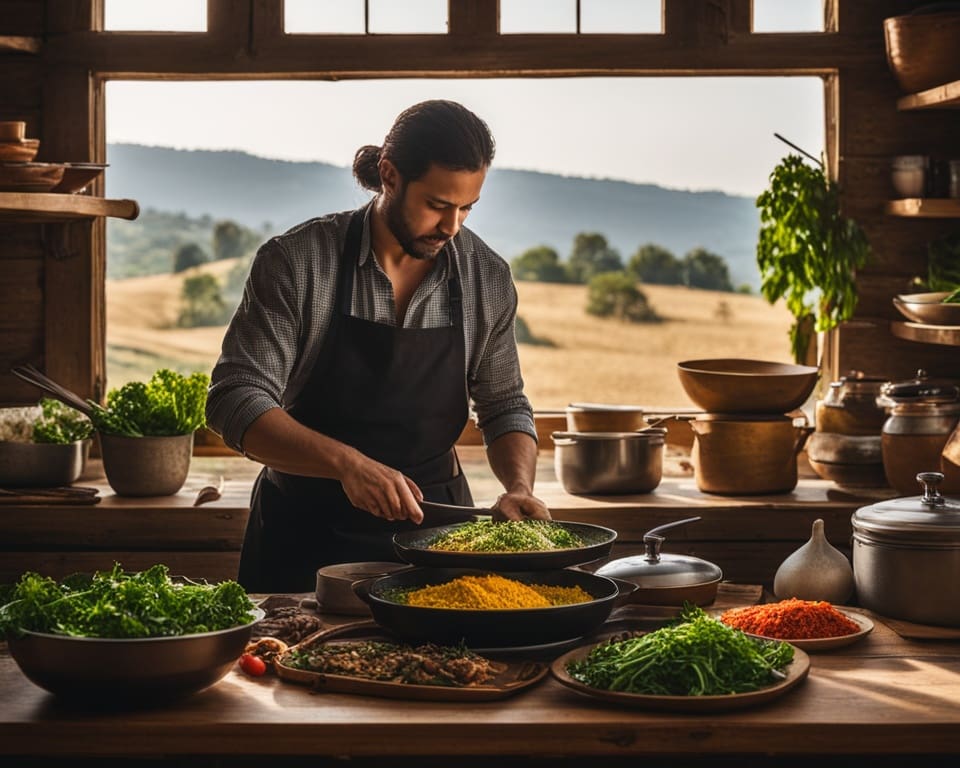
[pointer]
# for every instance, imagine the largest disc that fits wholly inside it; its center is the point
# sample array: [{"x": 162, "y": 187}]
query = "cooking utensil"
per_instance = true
[
  {"x": 735, "y": 385},
  {"x": 596, "y": 417},
  {"x": 414, "y": 547},
  {"x": 32, "y": 376},
  {"x": 120, "y": 670},
  {"x": 609, "y": 462},
  {"x": 436, "y": 513},
  {"x": 663, "y": 578},
  {"x": 491, "y": 628},
  {"x": 906, "y": 556},
  {"x": 39, "y": 465},
  {"x": 741, "y": 454},
  {"x": 335, "y": 592}
]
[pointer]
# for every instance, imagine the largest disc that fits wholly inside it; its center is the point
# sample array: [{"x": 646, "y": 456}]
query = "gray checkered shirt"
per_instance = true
[{"x": 276, "y": 334}]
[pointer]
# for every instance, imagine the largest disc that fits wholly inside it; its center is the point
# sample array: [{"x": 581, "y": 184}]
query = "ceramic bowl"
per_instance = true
[
  {"x": 736, "y": 385},
  {"x": 19, "y": 151},
  {"x": 928, "y": 308},
  {"x": 30, "y": 177}
]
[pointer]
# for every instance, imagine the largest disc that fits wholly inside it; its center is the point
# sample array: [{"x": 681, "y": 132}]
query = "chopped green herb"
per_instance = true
[
  {"x": 699, "y": 656},
  {"x": 60, "y": 424},
  {"x": 508, "y": 536}
]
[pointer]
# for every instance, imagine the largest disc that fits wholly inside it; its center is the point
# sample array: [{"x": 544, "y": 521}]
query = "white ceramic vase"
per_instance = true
[{"x": 816, "y": 571}]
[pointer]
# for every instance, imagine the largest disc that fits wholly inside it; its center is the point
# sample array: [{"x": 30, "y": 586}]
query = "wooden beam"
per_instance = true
[
  {"x": 197, "y": 56},
  {"x": 20, "y": 44},
  {"x": 473, "y": 18}
]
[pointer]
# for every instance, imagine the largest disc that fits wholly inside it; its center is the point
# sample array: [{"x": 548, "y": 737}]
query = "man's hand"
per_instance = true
[
  {"x": 520, "y": 506},
  {"x": 382, "y": 491}
]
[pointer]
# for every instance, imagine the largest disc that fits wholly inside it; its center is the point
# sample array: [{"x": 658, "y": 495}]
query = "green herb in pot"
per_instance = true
[
  {"x": 168, "y": 404},
  {"x": 808, "y": 253}
]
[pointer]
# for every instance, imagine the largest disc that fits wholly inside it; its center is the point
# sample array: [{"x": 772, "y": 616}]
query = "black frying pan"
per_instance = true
[
  {"x": 495, "y": 628},
  {"x": 413, "y": 547}
]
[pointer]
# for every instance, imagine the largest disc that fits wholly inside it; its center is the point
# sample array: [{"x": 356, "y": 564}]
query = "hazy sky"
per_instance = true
[{"x": 691, "y": 133}]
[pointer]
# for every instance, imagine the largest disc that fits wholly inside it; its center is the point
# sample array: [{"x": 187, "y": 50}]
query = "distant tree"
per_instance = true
[
  {"x": 541, "y": 264},
  {"x": 615, "y": 294},
  {"x": 188, "y": 255},
  {"x": 231, "y": 241},
  {"x": 723, "y": 312},
  {"x": 592, "y": 255},
  {"x": 745, "y": 288},
  {"x": 656, "y": 265},
  {"x": 201, "y": 302},
  {"x": 706, "y": 270},
  {"x": 525, "y": 335}
]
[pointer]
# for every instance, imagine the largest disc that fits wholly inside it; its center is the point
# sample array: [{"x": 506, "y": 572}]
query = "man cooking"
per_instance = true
[{"x": 349, "y": 366}]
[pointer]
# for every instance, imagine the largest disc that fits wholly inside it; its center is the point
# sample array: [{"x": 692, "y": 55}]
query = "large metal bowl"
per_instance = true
[
  {"x": 736, "y": 385},
  {"x": 41, "y": 465},
  {"x": 137, "y": 669}
]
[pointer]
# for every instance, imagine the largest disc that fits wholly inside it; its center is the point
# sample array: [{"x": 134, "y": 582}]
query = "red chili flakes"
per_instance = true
[{"x": 791, "y": 619}]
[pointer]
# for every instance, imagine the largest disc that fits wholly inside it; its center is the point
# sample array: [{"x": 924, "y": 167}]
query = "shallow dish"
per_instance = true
[
  {"x": 30, "y": 177},
  {"x": 136, "y": 669},
  {"x": 928, "y": 308},
  {"x": 795, "y": 673},
  {"x": 515, "y": 677},
  {"x": 735, "y": 385},
  {"x": 413, "y": 547},
  {"x": 813, "y": 645},
  {"x": 76, "y": 177}
]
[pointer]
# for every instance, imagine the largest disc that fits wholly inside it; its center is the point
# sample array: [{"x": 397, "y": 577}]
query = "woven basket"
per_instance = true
[{"x": 923, "y": 49}]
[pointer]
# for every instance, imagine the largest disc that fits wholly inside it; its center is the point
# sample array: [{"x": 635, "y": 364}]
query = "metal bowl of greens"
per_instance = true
[
  {"x": 153, "y": 639},
  {"x": 42, "y": 446},
  {"x": 511, "y": 546}
]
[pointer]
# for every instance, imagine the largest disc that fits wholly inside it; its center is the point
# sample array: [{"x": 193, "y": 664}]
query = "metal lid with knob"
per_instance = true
[
  {"x": 655, "y": 569},
  {"x": 929, "y": 519},
  {"x": 919, "y": 390}
]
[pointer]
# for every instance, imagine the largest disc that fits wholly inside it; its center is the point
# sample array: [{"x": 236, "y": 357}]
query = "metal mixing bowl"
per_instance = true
[{"x": 137, "y": 669}]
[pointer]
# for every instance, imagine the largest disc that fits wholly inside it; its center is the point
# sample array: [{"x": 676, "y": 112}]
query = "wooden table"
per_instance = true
[{"x": 883, "y": 696}]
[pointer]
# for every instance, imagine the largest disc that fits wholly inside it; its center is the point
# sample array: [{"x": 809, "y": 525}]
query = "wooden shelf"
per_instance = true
[
  {"x": 948, "y": 335},
  {"x": 925, "y": 207},
  {"x": 51, "y": 208},
  {"x": 942, "y": 97},
  {"x": 19, "y": 43}
]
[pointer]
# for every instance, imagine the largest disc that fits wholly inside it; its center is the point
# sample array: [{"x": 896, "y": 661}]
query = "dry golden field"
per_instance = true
[{"x": 592, "y": 359}]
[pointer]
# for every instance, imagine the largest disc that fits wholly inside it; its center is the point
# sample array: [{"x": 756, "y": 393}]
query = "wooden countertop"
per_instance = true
[{"x": 882, "y": 696}]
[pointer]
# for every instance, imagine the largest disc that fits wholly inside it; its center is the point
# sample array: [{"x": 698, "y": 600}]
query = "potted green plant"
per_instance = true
[
  {"x": 146, "y": 432},
  {"x": 808, "y": 252}
]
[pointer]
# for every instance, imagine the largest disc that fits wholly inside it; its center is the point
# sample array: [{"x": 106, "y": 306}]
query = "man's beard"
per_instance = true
[{"x": 417, "y": 247}]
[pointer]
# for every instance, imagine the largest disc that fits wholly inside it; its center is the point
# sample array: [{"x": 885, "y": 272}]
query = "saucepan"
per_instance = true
[{"x": 492, "y": 628}]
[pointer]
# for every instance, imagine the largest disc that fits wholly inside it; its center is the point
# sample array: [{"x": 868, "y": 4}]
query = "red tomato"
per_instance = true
[{"x": 252, "y": 665}]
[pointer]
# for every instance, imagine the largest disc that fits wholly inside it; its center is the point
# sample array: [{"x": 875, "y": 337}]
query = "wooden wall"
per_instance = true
[{"x": 52, "y": 311}]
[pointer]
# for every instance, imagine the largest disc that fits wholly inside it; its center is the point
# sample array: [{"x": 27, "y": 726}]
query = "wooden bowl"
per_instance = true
[
  {"x": 76, "y": 177},
  {"x": 595, "y": 417},
  {"x": 735, "y": 385},
  {"x": 30, "y": 177},
  {"x": 12, "y": 130},
  {"x": 922, "y": 49},
  {"x": 21, "y": 151},
  {"x": 928, "y": 308}
]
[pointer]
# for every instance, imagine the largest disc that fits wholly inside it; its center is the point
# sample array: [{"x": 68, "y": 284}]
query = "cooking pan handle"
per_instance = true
[
  {"x": 625, "y": 590},
  {"x": 32, "y": 376}
]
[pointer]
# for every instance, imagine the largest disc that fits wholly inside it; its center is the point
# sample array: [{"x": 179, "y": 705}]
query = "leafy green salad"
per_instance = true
[
  {"x": 116, "y": 604},
  {"x": 168, "y": 404}
]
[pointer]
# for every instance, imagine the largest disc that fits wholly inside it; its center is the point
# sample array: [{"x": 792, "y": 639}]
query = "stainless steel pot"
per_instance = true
[
  {"x": 609, "y": 462},
  {"x": 906, "y": 556}
]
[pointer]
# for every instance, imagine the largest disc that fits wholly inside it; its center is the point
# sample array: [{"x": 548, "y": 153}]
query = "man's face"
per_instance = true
[{"x": 424, "y": 214}]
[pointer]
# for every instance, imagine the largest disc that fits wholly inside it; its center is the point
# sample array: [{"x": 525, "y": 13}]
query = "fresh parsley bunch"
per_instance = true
[{"x": 168, "y": 404}]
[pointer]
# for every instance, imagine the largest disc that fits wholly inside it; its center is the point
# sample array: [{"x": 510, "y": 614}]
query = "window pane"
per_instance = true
[
  {"x": 388, "y": 17},
  {"x": 533, "y": 16},
  {"x": 153, "y": 16},
  {"x": 788, "y": 15},
  {"x": 621, "y": 16},
  {"x": 323, "y": 17}
]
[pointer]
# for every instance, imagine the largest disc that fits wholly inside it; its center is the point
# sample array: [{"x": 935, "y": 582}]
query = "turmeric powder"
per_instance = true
[{"x": 492, "y": 592}]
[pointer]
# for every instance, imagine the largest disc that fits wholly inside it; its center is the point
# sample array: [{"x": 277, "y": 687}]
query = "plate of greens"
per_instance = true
[
  {"x": 512, "y": 545},
  {"x": 694, "y": 665}
]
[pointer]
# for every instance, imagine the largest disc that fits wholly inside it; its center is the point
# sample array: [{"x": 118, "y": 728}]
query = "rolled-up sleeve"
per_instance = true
[
  {"x": 497, "y": 386},
  {"x": 259, "y": 348}
]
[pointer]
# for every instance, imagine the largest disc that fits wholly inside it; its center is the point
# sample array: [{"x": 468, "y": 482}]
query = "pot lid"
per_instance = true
[
  {"x": 649, "y": 433},
  {"x": 929, "y": 517},
  {"x": 655, "y": 569},
  {"x": 854, "y": 386},
  {"x": 919, "y": 390}
]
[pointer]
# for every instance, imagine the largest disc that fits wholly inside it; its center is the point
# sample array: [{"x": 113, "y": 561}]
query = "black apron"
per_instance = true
[{"x": 398, "y": 395}]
